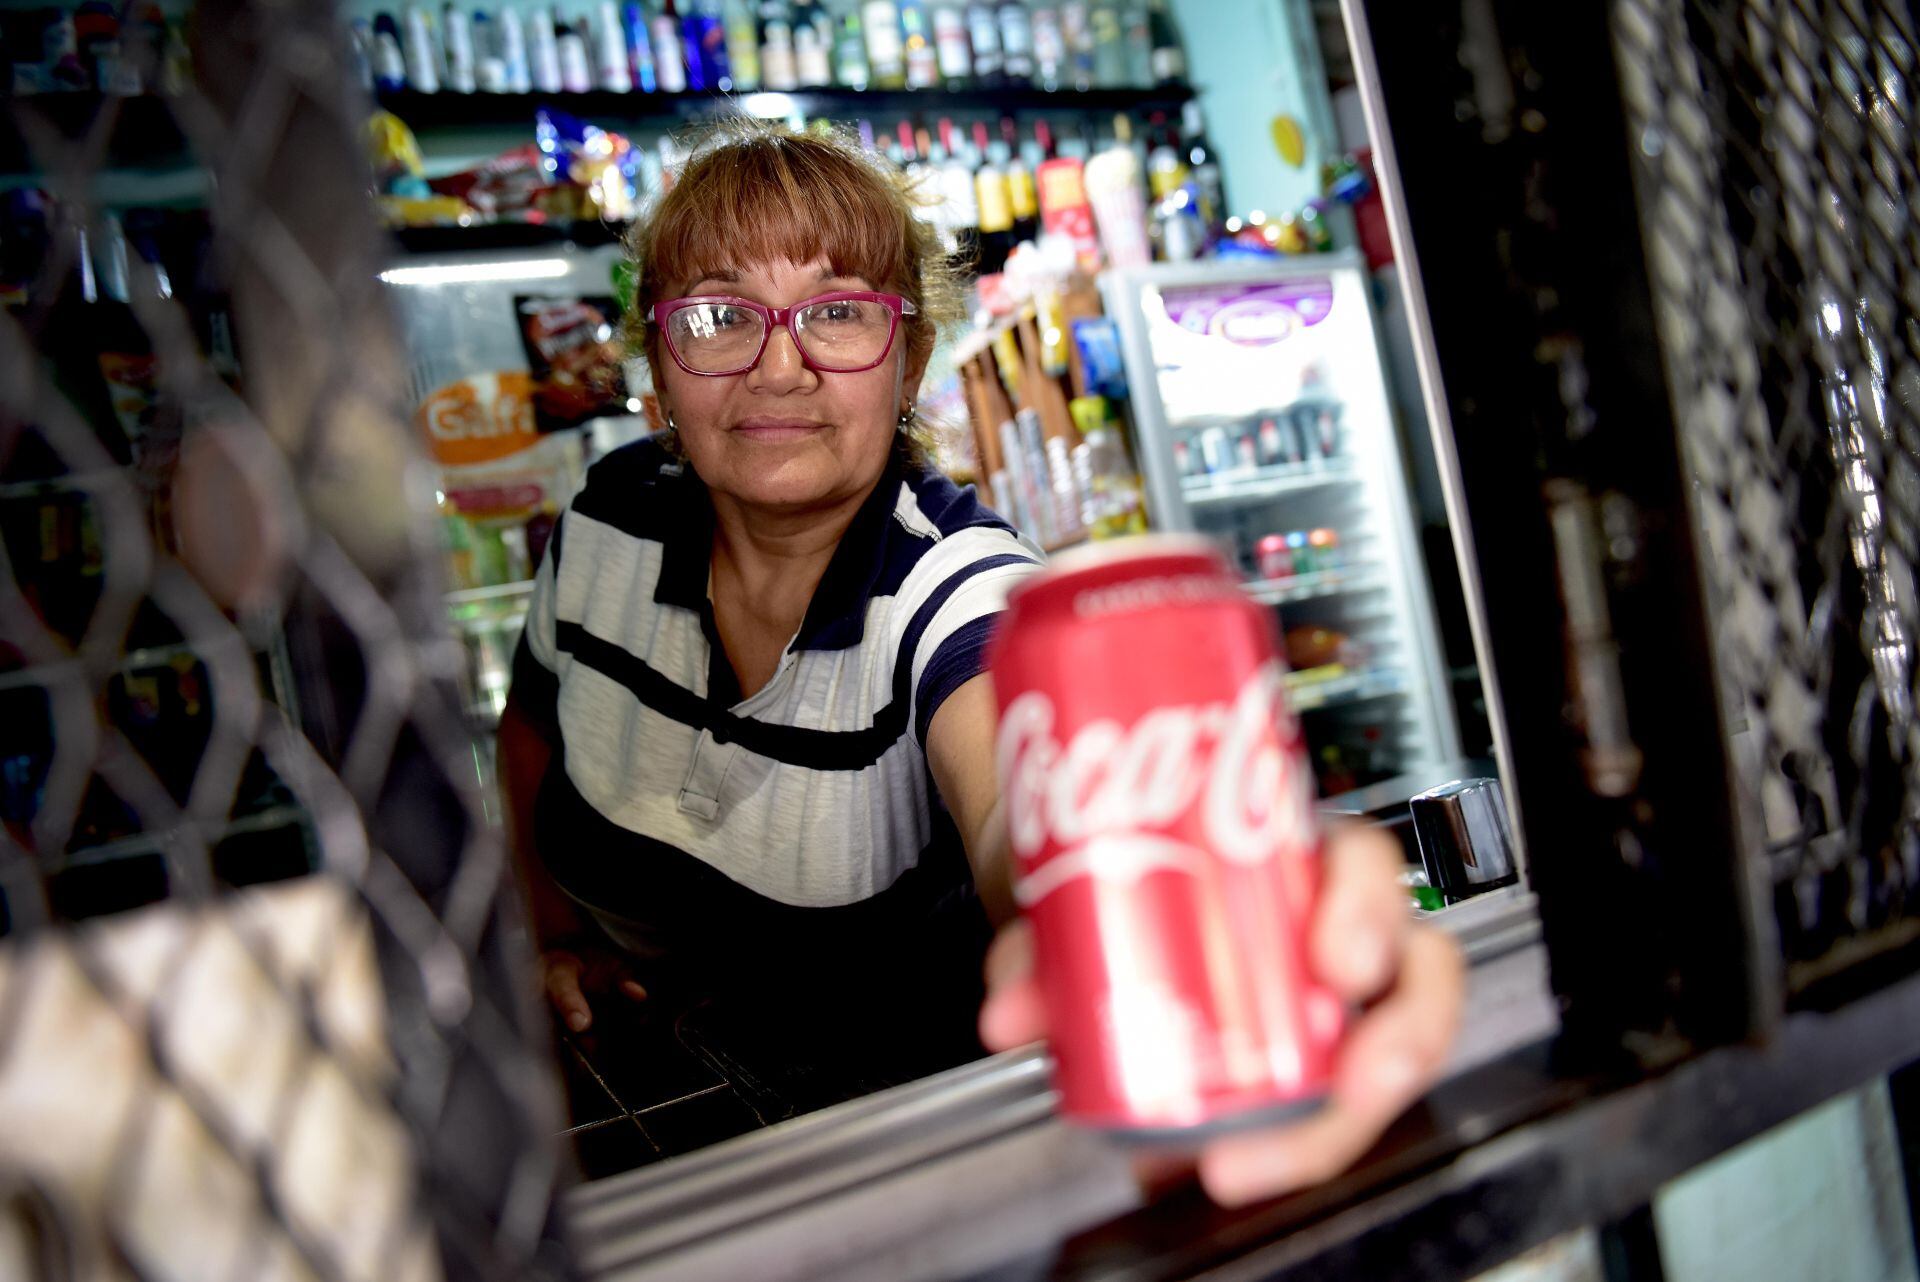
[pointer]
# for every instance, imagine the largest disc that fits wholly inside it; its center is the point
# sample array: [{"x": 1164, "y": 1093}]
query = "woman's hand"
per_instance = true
[
  {"x": 1367, "y": 948},
  {"x": 569, "y": 974}
]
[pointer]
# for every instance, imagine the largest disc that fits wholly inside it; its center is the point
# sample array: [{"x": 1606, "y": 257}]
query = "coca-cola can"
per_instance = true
[{"x": 1160, "y": 808}]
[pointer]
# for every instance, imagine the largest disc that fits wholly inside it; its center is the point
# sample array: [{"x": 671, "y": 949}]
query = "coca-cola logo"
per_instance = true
[{"x": 1108, "y": 802}]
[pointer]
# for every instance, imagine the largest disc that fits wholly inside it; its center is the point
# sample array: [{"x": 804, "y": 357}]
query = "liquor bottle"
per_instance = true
[
  {"x": 1136, "y": 32},
  {"x": 916, "y": 35},
  {"x": 1049, "y": 48},
  {"x": 1076, "y": 36},
  {"x": 1203, "y": 161},
  {"x": 958, "y": 197},
  {"x": 994, "y": 195},
  {"x": 669, "y": 61},
  {"x": 613, "y": 69},
  {"x": 813, "y": 45},
  {"x": 640, "y": 61},
  {"x": 779, "y": 65},
  {"x": 743, "y": 44},
  {"x": 1166, "y": 166},
  {"x": 983, "y": 41},
  {"x": 1109, "y": 46},
  {"x": 704, "y": 37},
  {"x": 1169, "y": 59},
  {"x": 1021, "y": 190},
  {"x": 1016, "y": 41},
  {"x": 850, "y": 48},
  {"x": 886, "y": 54},
  {"x": 951, "y": 43}
]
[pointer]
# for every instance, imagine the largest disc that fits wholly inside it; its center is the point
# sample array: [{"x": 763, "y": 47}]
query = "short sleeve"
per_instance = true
[
  {"x": 960, "y": 605},
  {"x": 536, "y": 660}
]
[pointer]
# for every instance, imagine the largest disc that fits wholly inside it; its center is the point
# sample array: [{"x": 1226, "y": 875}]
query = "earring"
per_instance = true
[{"x": 907, "y": 416}]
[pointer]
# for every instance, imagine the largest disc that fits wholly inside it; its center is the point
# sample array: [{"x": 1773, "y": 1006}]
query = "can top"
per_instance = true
[
  {"x": 1271, "y": 543},
  {"x": 1187, "y": 557}
]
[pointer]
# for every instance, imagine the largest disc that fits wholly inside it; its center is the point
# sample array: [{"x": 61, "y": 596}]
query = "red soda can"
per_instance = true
[
  {"x": 1273, "y": 558},
  {"x": 1160, "y": 808}
]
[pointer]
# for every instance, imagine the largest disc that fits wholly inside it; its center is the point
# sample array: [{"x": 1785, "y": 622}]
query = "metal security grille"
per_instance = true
[
  {"x": 261, "y": 988},
  {"x": 1776, "y": 171}
]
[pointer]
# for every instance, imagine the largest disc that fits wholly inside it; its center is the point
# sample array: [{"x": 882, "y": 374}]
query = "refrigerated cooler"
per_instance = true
[{"x": 1262, "y": 419}]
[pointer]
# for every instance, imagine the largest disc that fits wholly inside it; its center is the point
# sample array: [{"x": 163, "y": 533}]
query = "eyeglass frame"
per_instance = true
[{"x": 782, "y": 318}]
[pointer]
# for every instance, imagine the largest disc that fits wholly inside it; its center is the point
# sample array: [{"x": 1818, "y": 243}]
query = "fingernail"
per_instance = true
[{"x": 577, "y": 1021}]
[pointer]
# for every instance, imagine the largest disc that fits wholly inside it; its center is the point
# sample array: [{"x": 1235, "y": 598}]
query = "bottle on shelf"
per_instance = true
[
  {"x": 1016, "y": 42},
  {"x": 511, "y": 35},
  {"x": 1112, "y": 503},
  {"x": 543, "y": 50},
  {"x": 813, "y": 45},
  {"x": 1169, "y": 59},
  {"x": 1136, "y": 34},
  {"x": 704, "y": 36},
  {"x": 916, "y": 36},
  {"x": 1203, "y": 162},
  {"x": 422, "y": 52},
  {"x": 959, "y": 199},
  {"x": 779, "y": 62},
  {"x": 613, "y": 68},
  {"x": 458, "y": 28},
  {"x": 886, "y": 50},
  {"x": 576, "y": 70},
  {"x": 1110, "y": 70},
  {"x": 669, "y": 57},
  {"x": 640, "y": 61},
  {"x": 850, "y": 69},
  {"x": 983, "y": 43},
  {"x": 1076, "y": 37},
  {"x": 1049, "y": 47},
  {"x": 953, "y": 48},
  {"x": 743, "y": 44},
  {"x": 389, "y": 63},
  {"x": 1021, "y": 192},
  {"x": 994, "y": 195}
]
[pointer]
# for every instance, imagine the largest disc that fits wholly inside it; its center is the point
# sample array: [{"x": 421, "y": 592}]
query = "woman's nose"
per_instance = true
[{"x": 781, "y": 366}]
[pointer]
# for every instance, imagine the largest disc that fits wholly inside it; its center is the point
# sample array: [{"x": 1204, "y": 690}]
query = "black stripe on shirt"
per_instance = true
[{"x": 789, "y": 745}]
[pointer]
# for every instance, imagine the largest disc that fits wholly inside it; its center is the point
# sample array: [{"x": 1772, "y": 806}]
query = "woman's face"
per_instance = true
[{"x": 781, "y": 436}]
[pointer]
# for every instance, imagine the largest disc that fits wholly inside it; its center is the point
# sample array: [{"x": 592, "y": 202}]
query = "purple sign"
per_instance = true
[{"x": 1255, "y": 315}]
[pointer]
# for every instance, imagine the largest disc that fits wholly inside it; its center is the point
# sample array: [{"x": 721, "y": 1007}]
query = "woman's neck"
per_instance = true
[{"x": 769, "y": 563}]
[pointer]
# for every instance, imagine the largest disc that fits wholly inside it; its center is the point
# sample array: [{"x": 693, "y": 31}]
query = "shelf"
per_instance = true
[
  {"x": 142, "y": 130},
  {"x": 1310, "y": 691},
  {"x": 1318, "y": 399},
  {"x": 496, "y": 592},
  {"x": 1267, "y": 483},
  {"x": 586, "y": 233},
  {"x": 441, "y": 110},
  {"x": 1311, "y": 587}
]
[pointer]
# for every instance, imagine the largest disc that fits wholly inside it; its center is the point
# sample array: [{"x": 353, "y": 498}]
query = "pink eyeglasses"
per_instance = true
[{"x": 839, "y": 333}]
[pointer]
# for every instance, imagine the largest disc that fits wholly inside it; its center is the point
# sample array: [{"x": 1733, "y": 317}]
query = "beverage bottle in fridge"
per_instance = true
[
  {"x": 1049, "y": 48},
  {"x": 1016, "y": 41},
  {"x": 886, "y": 52},
  {"x": 1076, "y": 34},
  {"x": 1169, "y": 59},
  {"x": 743, "y": 44},
  {"x": 850, "y": 48},
  {"x": 917, "y": 47},
  {"x": 779, "y": 63},
  {"x": 951, "y": 44},
  {"x": 669, "y": 58},
  {"x": 1136, "y": 34},
  {"x": 1109, "y": 46},
  {"x": 983, "y": 42}
]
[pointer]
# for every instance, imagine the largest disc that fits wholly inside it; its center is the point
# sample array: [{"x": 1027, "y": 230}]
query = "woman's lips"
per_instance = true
[{"x": 776, "y": 430}]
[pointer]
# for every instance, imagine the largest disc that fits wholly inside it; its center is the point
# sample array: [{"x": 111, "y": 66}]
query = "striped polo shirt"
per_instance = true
[{"x": 801, "y": 820}]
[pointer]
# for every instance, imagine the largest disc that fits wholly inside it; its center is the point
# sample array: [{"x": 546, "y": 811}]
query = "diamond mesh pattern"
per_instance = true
[
  {"x": 261, "y": 983},
  {"x": 1776, "y": 173}
]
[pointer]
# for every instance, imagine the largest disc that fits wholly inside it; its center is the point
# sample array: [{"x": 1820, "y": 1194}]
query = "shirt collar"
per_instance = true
[{"x": 836, "y": 617}]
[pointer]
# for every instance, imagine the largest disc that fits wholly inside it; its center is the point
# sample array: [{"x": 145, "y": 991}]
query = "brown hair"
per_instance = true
[{"x": 755, "y": 192}]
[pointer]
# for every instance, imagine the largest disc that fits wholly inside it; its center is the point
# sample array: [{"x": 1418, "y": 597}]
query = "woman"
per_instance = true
[{"x": 750, "y": 739}]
